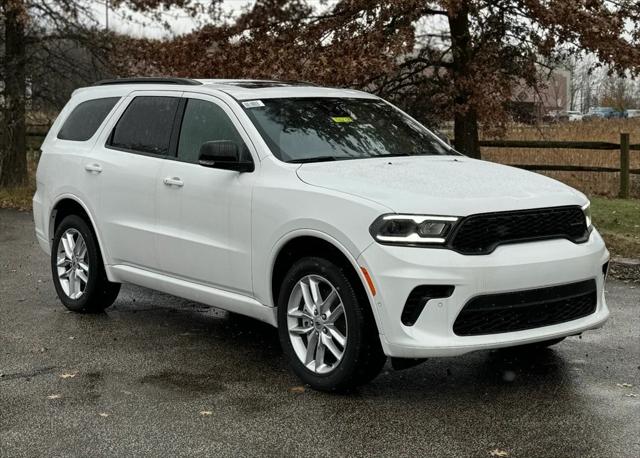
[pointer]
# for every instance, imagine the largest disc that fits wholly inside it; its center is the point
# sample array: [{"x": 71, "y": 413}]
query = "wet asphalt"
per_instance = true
[{"x": 160, "y": 376}]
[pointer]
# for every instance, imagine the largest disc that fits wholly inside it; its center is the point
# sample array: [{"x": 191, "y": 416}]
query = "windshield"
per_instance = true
[{"x": 320, "y": 129}]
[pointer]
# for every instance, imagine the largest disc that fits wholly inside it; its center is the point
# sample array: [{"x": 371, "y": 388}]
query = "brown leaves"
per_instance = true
[
  {"x": 68, "y": 375},
  {"x": 388, "y": 47}
]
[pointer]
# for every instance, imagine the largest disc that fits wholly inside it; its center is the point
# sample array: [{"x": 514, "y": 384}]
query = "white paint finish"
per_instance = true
[
  {"x": 284, "y": 208},
  {"x": 441, "y": 185},
  {"x": 241, "y": 93},
  {"x": 204, "y": 227},
  {"x": 127, "y": 214},
  {"x": 396, "y": 271},
  {"x": 215, "y": 238}
]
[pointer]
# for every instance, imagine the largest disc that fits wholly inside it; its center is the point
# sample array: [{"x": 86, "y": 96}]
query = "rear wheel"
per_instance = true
[
  {"x": 326, "y": 332},
  {"x": 78, "y": 270}
]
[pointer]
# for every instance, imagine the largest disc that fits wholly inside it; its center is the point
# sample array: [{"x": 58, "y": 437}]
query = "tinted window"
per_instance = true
[
  {"x": 146, "y": 125},
  {"x": 311, "y": 129},
  {"x": 85, "y": 119},
  {"x": 203, "y": 122}
]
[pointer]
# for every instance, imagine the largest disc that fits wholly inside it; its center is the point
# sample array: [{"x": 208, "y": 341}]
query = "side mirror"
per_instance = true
[{"x": 223, "y": 154}]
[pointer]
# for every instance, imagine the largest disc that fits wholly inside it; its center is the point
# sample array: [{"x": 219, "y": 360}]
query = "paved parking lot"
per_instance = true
[{"x": 159, "y": 376}]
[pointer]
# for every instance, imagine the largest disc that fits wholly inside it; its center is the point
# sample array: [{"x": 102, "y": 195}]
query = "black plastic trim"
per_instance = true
[
  {"x": 456, "y": 229},
  {"x": 528, "y": 309},
  {"x": 176, "y": 128},
  {"x": 418, "y": 299}
]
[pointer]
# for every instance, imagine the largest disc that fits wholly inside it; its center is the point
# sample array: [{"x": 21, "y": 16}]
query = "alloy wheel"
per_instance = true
[
  {"x": 317, "y": 324},
  {"x": 72, "y": 263}
]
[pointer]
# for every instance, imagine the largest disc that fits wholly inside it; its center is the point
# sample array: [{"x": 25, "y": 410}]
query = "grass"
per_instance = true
[{"x": 618, "y": 221}]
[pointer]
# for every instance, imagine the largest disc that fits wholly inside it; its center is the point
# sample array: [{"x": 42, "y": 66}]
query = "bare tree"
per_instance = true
[{"x": 50, "y": 47}]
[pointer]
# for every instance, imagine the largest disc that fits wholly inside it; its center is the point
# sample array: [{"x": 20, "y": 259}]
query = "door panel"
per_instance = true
[
  {"x": 128, "y": 178},
  {"x": 128, "y": 207},
  {"x": 204, "y": 224},
  {"x": 204, "y": 227}
]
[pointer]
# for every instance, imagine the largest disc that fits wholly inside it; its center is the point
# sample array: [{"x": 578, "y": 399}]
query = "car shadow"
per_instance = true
[{"x": 209, "y": 339}]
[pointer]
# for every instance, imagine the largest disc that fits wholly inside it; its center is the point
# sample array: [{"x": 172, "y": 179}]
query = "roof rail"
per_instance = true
[
  {"x": 259, "y": 84},
  {"x": 149, "y": 80}
]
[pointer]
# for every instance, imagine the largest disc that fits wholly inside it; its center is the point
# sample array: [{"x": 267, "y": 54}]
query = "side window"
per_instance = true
[
  {"x": 146, "y": 125},
  {"x": 203, "y": 122},
  {"x": 85, "y": 119}
]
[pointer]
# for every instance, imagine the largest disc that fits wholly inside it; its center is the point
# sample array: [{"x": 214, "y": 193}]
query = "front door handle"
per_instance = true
[
  {"x": 173, "y": 181},
  {"x": 93, "y": 168}
]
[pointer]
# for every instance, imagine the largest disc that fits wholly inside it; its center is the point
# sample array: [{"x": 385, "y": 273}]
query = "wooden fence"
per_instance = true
[{"x": 624, "y": 147}]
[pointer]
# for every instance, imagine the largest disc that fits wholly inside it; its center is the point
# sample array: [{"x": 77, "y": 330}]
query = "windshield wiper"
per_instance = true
[{"x": 313, "y": 159}]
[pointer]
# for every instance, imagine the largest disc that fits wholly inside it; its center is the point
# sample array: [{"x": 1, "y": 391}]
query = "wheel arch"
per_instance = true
[
  {"x": 69, "y": 204},
  {"x": 314, "y": 243}
]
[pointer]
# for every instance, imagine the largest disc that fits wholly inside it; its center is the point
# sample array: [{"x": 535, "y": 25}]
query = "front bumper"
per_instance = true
[{"x": 396, "y": 271}]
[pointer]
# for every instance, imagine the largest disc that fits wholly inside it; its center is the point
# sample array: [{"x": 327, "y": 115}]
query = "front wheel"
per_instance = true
[
  {"x": 78, "y": 270},
  {"x": 327, "y": 333}
]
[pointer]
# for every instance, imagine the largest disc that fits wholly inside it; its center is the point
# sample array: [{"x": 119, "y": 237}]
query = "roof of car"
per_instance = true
[{"x": 240, "y": 89}]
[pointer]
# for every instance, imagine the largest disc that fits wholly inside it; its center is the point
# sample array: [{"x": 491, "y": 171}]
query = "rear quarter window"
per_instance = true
[{"x": 84, "y": 120}]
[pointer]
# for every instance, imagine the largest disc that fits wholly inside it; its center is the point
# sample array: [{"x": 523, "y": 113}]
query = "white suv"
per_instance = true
[{"x": 327, "y": 213}]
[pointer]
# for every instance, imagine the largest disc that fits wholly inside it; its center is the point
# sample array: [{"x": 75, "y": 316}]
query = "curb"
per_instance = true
[{"x": 626, "y": 269}]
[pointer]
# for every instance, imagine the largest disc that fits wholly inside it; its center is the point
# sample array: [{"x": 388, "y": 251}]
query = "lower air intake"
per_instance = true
[{"x": 529, "y": 309}]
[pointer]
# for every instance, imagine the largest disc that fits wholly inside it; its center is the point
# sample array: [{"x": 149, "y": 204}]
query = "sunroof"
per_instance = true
[{"x": 265, "y": 84}]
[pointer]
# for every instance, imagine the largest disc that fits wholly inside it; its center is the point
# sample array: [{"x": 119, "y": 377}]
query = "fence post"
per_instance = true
[{"x": 624, "y": 166}]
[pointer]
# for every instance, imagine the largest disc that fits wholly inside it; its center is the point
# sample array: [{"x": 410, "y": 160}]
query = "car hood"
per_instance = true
[{"x": 443, "y": 185}]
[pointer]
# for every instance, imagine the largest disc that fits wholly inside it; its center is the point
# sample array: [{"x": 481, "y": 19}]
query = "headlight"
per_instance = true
[
  {"x": 587, "y": 214},
  {"x": 412, "y": 229}
]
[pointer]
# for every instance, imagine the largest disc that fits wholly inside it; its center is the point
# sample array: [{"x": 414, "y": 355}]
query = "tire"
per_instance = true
[
  {"x": 361, "y": 357},
  {"x": 80, "y": 279}
]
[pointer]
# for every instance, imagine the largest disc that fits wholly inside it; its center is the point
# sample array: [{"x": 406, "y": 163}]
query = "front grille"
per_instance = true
[
  {"x": 520, "y": 310},
  {"x": 482, "y": 233}
]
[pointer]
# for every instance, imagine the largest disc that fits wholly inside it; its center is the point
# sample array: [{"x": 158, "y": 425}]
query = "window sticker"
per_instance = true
[
  {"x": 342, "y": 119},
  {"x": 253, "y": 104}
]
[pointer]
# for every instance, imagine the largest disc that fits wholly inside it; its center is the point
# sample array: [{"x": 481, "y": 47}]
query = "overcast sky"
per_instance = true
[{"x": 126, "y": 22}]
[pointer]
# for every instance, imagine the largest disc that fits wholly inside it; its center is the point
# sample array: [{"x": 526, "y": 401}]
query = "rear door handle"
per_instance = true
[
  {"x": 173, "y": 181},
  {"x": 93, "y": 168}
]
